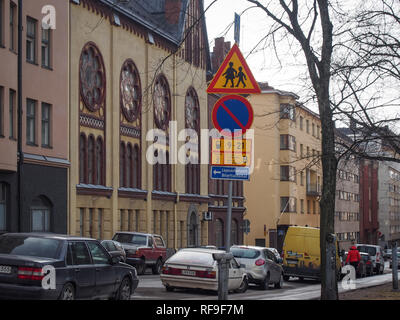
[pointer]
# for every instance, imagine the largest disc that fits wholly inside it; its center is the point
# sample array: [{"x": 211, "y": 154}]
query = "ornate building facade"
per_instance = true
[{"x": 137, "y": 77}]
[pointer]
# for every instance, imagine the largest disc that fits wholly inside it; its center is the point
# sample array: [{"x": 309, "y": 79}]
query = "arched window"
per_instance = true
[
  {"x": 167, "y": 173},
  {"x": 41, "y": 214},
  {"x": 136, "y": 167},
  {"x": 219, "y": 233},
  {"x": 192, "y": 121},
  {"x": 128, "y": 173},
  {"x": 156, "y": 176},
  {"x": 122, "y": 165},
  {"x": 91, "y": 160},
  {"x": 82, "y": 158},
  {"x": 99, "y": 161}
]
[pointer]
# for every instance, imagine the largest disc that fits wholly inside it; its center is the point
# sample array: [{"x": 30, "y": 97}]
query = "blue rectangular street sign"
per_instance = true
[{"x": 230, "y": 173}]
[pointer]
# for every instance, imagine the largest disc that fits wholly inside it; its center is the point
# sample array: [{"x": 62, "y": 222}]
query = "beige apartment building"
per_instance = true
[
  {"x": 285, "y": 186},
  {"x": 34, "y": 138}
]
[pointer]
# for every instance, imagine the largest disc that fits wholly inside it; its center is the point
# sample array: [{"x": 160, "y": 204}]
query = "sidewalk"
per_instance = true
[{"x": 379, "y": 292}]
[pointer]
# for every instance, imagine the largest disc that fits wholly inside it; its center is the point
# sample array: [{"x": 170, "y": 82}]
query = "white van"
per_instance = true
[{"x": 376, "y": 253}]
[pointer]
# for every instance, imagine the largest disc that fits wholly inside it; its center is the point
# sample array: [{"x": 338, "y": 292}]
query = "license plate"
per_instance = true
[
  {"x": 5, "y": 269},
  {"x": 188, "y": 272},
  {"x": 292, "y": 261}
]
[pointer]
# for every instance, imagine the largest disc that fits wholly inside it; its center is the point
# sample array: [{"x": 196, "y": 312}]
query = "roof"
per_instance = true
[
  {"x": 139, "y": 233},
  {"x": 204, "y": 250},
  {"x": 151, "y": 14},
  {"x": 249, "y": 247},
  {"x": 47, "y": 236}
]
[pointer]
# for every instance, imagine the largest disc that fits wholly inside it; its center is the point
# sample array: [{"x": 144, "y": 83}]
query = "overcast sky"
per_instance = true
[{"x": 254, "y": 25}]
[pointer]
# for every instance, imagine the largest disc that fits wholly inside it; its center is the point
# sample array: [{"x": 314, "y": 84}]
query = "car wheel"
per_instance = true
[
  {"x": 156, "y": 269},
  {"x": 265, "y": 283},
  {"x": 279, "y": 284},
  {"x": 286, "y": 278},
  {"x": 67, "y": 292},
  {"x": 243, "y": 286},
  {"x": 125, "y": 289},
  {"x": 169, "y": 288},
  {"x": 141, "y": 268}
]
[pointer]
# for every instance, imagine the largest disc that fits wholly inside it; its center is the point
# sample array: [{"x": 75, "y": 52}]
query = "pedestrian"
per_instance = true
[
  {"x": 230, "y": 75},
  {"x": 241, "y": 75},
  {"x": 353, "y": 257}
]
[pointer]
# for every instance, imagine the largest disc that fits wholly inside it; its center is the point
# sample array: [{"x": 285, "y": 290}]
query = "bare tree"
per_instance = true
[
  {"x": 301, "y": 24},
  {"x": 352, "y": 56}
]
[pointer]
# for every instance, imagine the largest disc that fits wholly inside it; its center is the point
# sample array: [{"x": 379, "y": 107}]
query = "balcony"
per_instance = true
[{"x": 313, "y": 190}]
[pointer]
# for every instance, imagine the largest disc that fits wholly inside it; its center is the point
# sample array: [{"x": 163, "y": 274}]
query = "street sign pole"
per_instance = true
[
  {"x": 229, "y": 218},
  {"x": 395, "y": 266}
]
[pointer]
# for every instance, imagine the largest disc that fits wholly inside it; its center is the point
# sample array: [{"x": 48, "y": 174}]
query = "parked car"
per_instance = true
[
  {"x": 376, "y": 253},
  {"x": 368, "y": 263},
  {"x": 115, "y": 249},
  {"x": 398, "y": 261},
  {"x": 262, "y": 266},
  {"x": 276, "y": 253},
  {"x": 387, "y": 254},
  {"x": 196, "y": 268},
  {"x": 84, "y": 268},
  {"x": 301, "y": 254},
  {"x": 143, "y": 250}
]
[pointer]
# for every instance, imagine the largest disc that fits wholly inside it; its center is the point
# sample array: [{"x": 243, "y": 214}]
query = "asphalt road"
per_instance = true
[{"x": 150, "y": 288}]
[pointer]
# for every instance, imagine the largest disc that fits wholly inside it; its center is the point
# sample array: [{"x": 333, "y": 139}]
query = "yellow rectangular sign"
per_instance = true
[{"x": 231, "y": 152}]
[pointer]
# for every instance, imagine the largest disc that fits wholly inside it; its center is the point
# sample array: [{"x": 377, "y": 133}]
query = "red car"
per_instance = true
[{"x": 143, "y": 250}]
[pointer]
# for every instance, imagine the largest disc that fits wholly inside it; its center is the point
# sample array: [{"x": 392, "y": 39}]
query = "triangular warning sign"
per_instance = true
[{"x": 234, "y": 76}]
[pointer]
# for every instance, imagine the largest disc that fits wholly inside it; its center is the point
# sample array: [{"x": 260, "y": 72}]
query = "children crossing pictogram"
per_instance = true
[{"x": 234, "y": 76}]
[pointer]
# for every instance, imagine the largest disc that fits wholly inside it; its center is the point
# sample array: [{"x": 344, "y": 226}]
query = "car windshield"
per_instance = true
[
  {"x": 192, "y": 258},
  {"x": 244, "y": 253},
  {"x": 367, "y": 249},
  {"x": 30, "y": 246},
  {"x": 131, "y": 238}
]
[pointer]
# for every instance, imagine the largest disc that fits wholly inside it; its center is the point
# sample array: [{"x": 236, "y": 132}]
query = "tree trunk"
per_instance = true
[{"x": 327, "y": 202}]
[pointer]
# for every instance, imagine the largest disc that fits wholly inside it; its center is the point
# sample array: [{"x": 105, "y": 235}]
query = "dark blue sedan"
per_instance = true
[{"x": 49, "y": 266}]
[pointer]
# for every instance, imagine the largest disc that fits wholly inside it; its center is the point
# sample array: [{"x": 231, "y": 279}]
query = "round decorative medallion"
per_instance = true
[
  {"x": 92, "y": 77},
  {"x": 130, "y": 91},
  {"x": 162, "y": 102}
]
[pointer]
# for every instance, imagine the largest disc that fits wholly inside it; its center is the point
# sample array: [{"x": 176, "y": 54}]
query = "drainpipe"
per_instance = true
[
  {"x": 176, "y": 165},
  {"x": 19, "y": 117}
]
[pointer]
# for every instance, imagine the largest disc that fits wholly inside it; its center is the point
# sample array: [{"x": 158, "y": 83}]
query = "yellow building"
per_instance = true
[
  {"x": 129, "y": 74},
  {"x": 285, "y": 186}
]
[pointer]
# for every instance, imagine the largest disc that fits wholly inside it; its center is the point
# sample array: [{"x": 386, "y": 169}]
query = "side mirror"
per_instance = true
[
  {"x": 115, "y": 260},
  {"x": 280, "y": 260},
  {"x": 243, "y": 266}
]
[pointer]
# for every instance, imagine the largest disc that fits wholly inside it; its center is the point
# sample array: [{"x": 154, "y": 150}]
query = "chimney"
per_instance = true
[
  {"x": 173, "y": 11},
  {"x": 220, "y": 50}
]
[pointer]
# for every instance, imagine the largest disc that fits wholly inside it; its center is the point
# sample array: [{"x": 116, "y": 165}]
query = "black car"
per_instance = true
[
  {"x": 83, "y": 268},
  {"x": 114, "y": 248}
]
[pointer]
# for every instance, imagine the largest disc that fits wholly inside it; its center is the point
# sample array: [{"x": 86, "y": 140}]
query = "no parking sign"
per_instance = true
[{"x": 232, "y": 116}]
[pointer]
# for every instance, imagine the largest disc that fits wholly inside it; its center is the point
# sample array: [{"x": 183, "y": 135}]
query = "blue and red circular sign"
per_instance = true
[{"x": 232, "y": 115}]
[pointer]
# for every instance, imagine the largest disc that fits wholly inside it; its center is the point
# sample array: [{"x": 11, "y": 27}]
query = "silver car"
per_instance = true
[{"x": 261, "y": 264}]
